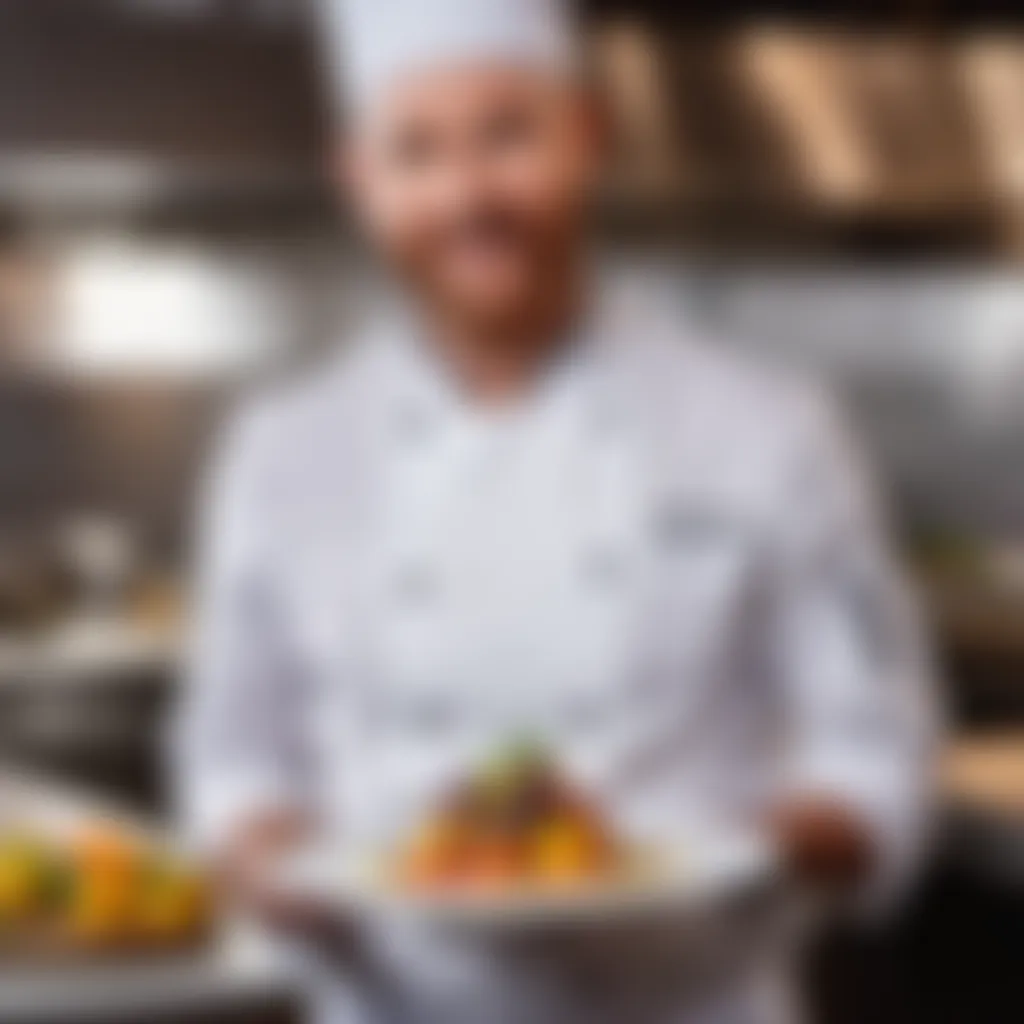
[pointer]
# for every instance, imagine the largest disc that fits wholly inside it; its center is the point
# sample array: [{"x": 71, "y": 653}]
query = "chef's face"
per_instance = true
[{"x": 474, "y": 183}]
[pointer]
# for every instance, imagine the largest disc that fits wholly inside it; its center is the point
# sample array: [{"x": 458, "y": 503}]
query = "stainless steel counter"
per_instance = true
[{"x": 239, "y": 979}]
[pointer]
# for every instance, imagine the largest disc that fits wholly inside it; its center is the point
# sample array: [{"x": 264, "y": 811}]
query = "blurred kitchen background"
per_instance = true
[{"x": 837, "y": 184}]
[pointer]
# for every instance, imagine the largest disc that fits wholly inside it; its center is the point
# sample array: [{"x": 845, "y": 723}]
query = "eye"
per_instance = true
[
  {"x": 411, "y": 149},
  {"x": 508, "y": 129}
]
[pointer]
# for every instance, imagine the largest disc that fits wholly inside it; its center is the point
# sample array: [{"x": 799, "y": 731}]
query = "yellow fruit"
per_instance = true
[
  {"x": 17, "y": 890},
  {"x": 564, "y": 850},
  {"x": 173, "y": 908},
  {"x": 101, "y": 907},
  {"x": 101, "y": 901},
  {"x": 24, "y": 871}
]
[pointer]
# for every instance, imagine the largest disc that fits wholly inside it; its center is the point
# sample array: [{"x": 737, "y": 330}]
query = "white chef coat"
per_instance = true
[{"x": 664, "y": 561}]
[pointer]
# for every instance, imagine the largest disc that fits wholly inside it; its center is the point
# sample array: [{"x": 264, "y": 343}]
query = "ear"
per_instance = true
[
  {"x": 344, "y": 166},
  {"x": 592, "y": 136},
  {"x": 349, "y": 171},
  {"x": 599, "y": 120}
]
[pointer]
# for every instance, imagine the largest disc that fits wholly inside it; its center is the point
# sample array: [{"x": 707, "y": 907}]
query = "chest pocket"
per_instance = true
[{"x": 658, "y": 620}]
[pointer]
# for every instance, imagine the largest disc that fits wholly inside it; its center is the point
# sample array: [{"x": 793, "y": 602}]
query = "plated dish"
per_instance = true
[{"x": 515, "y": 845}]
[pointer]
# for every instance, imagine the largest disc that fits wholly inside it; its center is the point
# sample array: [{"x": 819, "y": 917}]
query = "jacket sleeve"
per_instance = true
[
  {"x": 236, "y": 741},
  {"x": 852, "y": 663}
]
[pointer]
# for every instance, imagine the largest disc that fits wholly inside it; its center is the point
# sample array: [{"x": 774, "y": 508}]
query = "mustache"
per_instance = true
[{"x": 487, "y": 225}]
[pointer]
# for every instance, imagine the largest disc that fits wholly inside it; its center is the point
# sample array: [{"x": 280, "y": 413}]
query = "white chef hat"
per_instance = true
[{"x": 370, "y": 43}]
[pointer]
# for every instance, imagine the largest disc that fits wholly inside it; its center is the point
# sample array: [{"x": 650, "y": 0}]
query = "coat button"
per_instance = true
[
  {"x": 427, "y": 715},
  {"x": 674, "y": 525},
  {"x": 604, "y": 421},
  {"x": 416, "y": 586},
  {"x": 604, "y": 569},
  {"x": 679, "y": 525},
  {"x": 582, "y": 715},
  {"x": 434, "y": 715},
  {"x": 412, "y": 424}
]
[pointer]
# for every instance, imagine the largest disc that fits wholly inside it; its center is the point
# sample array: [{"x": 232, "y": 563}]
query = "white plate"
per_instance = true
[{"x": 687, "y": 876}]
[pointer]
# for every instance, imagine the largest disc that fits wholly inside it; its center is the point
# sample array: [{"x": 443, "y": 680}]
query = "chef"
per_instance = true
[{"x": 518, "y": 503}]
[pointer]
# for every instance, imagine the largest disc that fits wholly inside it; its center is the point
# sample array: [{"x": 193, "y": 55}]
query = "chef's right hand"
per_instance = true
[{"x": 246, "y": 873}]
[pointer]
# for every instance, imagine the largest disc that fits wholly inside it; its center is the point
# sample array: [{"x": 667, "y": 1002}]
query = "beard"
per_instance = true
[{"x": 493, "y": 272}]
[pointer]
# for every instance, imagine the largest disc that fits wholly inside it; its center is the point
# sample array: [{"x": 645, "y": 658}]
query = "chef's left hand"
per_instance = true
[{"x": 823, "y": 842}]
